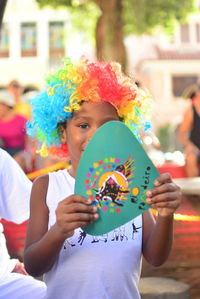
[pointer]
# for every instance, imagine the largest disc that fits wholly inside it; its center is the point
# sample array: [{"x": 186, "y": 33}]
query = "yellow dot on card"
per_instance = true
[
  {"x": 135, "y": 191},
  {"x": 95, "y": 165},
  {"x": 89, "y": 192},
  {"x": 111, "y": 204},
  {"x": 112, "y": 160},
  {"x": 97, "y": 172}
]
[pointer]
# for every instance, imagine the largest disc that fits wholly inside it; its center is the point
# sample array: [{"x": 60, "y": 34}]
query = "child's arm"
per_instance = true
[
  {"x": 43, "y": 246},
  {"x": 158, "y": 236}
]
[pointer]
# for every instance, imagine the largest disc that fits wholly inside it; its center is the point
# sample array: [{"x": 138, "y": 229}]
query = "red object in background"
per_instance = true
[
  {"x": 15, "y": 236},
  {"x": 176, "y": 171}
]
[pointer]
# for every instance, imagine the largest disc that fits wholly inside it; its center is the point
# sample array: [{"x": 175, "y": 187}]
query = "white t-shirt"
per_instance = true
[
  {"x": 15, "y": 190},
  {"x": 106, "y": 266}
]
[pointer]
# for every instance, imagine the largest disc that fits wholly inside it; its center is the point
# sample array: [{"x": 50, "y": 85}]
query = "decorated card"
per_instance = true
[{"x": 115, "y": 172}]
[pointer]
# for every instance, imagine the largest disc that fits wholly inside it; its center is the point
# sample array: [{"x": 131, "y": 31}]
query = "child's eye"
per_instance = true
[{"x": 83, "y": 126}]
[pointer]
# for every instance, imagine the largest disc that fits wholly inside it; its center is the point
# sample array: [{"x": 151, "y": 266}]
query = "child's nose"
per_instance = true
[{"x": 91, "y": 133}]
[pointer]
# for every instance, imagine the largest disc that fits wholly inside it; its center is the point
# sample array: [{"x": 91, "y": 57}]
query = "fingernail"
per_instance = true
[
  {"x": 148, "y": 200},
  {"x": 149, "y": 193},
  {"x": 96, "y": 216}
]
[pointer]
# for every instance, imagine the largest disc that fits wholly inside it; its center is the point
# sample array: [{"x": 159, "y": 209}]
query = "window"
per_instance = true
[
  {"x": 198, "y": 33},
  {"x": 4, "y": 41},
  {"x": 185, "y": 38},
  {"x": 56, "y": 40},
  {"x": 180, "y": 83},
  {"x": 28, "y": 39}
]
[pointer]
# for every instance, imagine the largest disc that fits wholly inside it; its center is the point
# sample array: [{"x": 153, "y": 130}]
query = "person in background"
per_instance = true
[
  {"x": 13, "y": 136},
  {"x": 189, "y": 134},
  {"x": 16, "y": 89},
  {"x": 21, "y": 106},
  {"x": 15, "y": 190}
]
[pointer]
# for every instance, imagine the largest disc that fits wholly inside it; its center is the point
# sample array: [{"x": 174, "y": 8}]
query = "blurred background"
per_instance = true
[{"x": 159, "y": 45}]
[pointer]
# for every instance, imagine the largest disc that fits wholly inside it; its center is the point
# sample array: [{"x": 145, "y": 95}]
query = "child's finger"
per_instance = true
[
  {"x": 171, "y": 196},
  {"x": 76, "y": 203},
  {"x": 77, "y": 217},
  {"x": 163, "y": 178},
  {"x": 77, "y": 198},
  {"x": 76, "y": 207},
  {"x": 71, "y": 221},
  {"x": 173, "y": 204},
  {"x": 67, "y": 222},
  {"x": 164, "y": 188}
]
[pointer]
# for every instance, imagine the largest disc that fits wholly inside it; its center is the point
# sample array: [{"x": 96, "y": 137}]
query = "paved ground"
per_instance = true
[{"x": 184, "y": 261}]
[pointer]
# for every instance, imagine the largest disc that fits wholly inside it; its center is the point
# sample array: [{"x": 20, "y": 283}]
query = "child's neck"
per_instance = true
[{"x": 72, "y": 172}]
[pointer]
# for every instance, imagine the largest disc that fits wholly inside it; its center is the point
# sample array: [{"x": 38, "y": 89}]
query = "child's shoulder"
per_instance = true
[
  {"x": 61, "y": 173},
  {"x": 54, "y": 175},
  {"x": 41, "y": 180}
]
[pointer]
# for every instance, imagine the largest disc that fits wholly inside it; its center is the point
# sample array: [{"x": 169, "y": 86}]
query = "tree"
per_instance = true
[
  {"x": 120, "y": 17},
  {"x": 2, "y": 9}
]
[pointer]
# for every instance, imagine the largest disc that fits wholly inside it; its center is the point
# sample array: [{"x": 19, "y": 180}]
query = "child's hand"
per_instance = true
[
  {"x": 73, "y": 212},
  {"x": 165, "y": 197},
  {"x": 19, "y": 268}
]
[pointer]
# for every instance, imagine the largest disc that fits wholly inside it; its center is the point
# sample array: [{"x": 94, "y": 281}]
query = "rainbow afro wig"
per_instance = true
[{"x": 85, "y": 81}]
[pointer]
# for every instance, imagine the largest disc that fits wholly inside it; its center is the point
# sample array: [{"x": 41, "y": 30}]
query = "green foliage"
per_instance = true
[
  {"x": 83, "y": 15},
  {"x": 64, "y": 3},
  {"x": 144, "y": 16},
  {"x": 54, "y": 3},
  {"x": 84, "y": 20},
  {"x": 140, "y": 16}
]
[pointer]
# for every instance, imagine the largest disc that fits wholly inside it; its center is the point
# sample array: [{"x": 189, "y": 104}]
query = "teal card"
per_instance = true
[{"x": 115, "y": 172}]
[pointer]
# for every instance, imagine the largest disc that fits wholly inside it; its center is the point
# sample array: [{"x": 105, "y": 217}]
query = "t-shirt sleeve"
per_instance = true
[
  {"x": 15, "y": 190},
  {"x": 6, "y": 262}
]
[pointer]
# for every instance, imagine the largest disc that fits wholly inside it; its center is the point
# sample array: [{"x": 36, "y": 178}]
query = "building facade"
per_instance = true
[
  {"x": 33, "y": 41},
  {"x": 168, "y": 66}
]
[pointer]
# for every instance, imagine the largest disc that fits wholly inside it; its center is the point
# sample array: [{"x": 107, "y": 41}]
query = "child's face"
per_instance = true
[{"x": 83, "y": 125}]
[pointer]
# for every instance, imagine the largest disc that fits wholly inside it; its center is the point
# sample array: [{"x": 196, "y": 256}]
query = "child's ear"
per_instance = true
[{"x": 63, "y": 137}]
